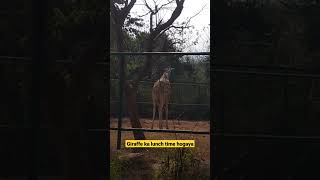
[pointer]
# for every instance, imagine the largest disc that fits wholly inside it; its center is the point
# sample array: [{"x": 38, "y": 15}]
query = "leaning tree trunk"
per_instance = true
[
  {"x": 131, "y": 88},
  {"x": 130, "y": 91},
  {"x": 131, "y": 94}
]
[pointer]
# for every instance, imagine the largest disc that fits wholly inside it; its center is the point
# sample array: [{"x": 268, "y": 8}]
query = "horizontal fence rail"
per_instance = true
[
  {"x": 175, "y": 104},
  {"x": 28, "y": 60},
  {"x": 215, "y": 67},
  {"x": 159, "y": 53},
  {"x": 271, "y": 66},
  {"x": 268, "y": 136},
  {"x": 154, "y": 130},
  {"x": 174, "y": 83},
  {"x": 255, "y": 136},
  {"x": 280, "y": 74}
]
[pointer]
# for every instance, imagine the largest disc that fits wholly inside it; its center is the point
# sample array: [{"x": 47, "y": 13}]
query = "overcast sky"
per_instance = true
[{"x": 201, "y": 22}]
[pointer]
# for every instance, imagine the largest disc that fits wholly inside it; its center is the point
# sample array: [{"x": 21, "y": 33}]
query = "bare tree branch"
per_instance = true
[
  {"x": 161, "y": 33},
  {"x": 176, "y": 13},
  {"x": 155, "y": 11},
  {"x": 169, "y": 2},
  {"x": 154, "y": 2},
  {"x": 181, "y": 27},
  {"x": 144, "y": 14},
  {"x": 129, "y": 7},
  {"x": 120, "y": 14},
  {"x": 172, "y": 26},
  {"x": 155, "y": 33},
  {"x": 162, "y": 7},
  {"x": 160, "y": 21},
  {"x": 197, "y": 13},
  {"x": 147, "y": 5}
]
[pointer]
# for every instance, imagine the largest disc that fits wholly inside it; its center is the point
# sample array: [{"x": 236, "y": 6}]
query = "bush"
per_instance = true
[
  {"x": 129, "y": 166},
  {"x": 115, "y": 167},
  {"x": 179, "y": 164}
]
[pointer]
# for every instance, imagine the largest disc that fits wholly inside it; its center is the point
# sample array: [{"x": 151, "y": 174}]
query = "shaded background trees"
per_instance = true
[
  {"x": 267, "y": 35},
  {"x": 73, "y": 30},
  {"x": 272, "y": 37}
]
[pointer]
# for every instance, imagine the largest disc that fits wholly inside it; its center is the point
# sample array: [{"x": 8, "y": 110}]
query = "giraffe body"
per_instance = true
[{"x": 160, "y": 96}]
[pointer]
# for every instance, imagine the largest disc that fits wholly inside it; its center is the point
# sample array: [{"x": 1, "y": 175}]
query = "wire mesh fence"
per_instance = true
[{"x": 191, "y": 98}]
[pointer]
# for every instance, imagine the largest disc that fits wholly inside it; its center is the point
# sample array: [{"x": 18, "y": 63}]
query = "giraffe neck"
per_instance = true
[{"x": 165, "y": 77}]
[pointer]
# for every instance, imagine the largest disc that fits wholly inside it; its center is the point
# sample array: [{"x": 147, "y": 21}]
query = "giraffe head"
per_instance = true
[{"x": 168, "y": 71}]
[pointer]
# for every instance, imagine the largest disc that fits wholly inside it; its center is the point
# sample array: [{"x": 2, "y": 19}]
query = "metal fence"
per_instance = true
[
  {"x": 119, "y": 128},
  {"x": 252, "y": 70},
  {"x": 186, "y": 98},
  {"x": 276, "y": 71}
]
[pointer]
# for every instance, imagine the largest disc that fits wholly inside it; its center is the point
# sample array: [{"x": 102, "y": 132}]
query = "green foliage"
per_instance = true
[
  {"x": 132, "y": 25},
  {"x": 115, "y": 167},
  {"x": 179, "y": 164},
  {"x": 187, "y": 69},
  {"x": 122, "y": 168}
]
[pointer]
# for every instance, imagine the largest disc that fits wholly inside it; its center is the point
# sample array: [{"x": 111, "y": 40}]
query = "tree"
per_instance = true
[
  {"x": 130, "y": 86},
  {"x": 155, "y": 31},
  {"x": 119, "y": 16}
]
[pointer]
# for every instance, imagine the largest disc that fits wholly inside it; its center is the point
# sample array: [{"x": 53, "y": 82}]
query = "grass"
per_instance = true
[
  {"x": 116, "y": 167},
  {"x": 122, "y": 168},
  {"x": 181, "y": 164}
]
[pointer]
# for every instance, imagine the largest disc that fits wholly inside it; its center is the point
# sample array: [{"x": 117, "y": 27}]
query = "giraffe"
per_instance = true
[{"x": 161, "y": 95}]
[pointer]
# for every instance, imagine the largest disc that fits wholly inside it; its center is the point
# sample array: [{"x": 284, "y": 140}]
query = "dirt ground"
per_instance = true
[{"x": 202, "y": 141}]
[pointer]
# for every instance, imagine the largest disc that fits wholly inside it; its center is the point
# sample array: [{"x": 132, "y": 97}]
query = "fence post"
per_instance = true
[{"x": 121, "y": 83}]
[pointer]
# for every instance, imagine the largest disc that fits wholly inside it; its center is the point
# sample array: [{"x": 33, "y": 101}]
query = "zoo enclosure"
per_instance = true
[
  {"x": 119, "y": 128},
  {"x": 185, "y": 101}
]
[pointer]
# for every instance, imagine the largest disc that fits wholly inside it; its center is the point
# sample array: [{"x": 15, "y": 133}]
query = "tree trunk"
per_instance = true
[
  {"x": 131, "y": 94},
  {"x": 130, "y": 91}
]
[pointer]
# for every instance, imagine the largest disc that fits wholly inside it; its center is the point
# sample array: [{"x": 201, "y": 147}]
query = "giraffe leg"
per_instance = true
[
  {"x": 167, "y": 116},
  {"x": 160, "y": 117},
  {"x": 154, "y": 114}
]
